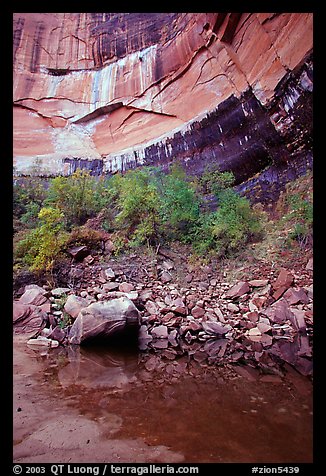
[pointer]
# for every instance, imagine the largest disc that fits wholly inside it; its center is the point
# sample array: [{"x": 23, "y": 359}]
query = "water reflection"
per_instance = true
[{"x": 207, "y": 413}]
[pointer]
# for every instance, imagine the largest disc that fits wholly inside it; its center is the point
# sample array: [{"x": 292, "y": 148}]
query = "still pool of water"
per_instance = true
[{"x": 108, "y": 405}]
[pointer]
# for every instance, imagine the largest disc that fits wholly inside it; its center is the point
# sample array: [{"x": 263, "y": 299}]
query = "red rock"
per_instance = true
[
  {"x": 57, "y": 334},
  {"x": 166, "y": 277},
  {"x": 295, "y": 296},
  {"x": 60, "y": 60},
  {"x": 253, "y": 316},
  {"x": 78, "y": 252},
  {"x": 279, "y": 292},
  {"x": 238, "y": 290},
  {"x": 197, "y": 312},
  {"x": 257, "y": 283},
  {"x": 310, "y": 265},
  {"x": 75, "y": 304},
  {"x": 33, "y": 296},
  {"x": 126, "y": 287},
  {"x": 279, "y": 312},
  {"x": 285, "y": 279},
  {"x": 28, "y": 320},
  {"x": 298, "y": 319}
]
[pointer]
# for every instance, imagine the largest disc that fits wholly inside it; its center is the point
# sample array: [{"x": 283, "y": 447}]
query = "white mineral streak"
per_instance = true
[{"x": 132, "y": 156}]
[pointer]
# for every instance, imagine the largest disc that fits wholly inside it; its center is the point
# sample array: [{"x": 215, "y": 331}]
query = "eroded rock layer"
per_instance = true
[{"x": 111, "y": 91}]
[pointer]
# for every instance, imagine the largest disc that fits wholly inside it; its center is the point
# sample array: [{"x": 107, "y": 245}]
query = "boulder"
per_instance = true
[
  {"x": 75, "y": 304},
  {"x": 103, "y": 319},
  {"x": 34, "y": 296},
  {"x": 28, "y": 319}
]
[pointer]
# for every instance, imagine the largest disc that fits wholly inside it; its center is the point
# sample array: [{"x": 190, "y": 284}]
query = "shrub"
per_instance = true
[
  {"x": 137, "y": 203},
  {"x": 28, "y": 197},
  {"x": 213, "y": 181},
  {"x": 42, "y": 245},
  {"x": 78, "y": 196},
  {"x": 179, "y": 204},
  {"x": 229, "y": 228},
  {"x": 300, "y": 217}
]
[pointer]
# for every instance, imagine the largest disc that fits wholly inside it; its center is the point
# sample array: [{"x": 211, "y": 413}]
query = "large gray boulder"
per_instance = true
[{"x": 103, "y": 319}]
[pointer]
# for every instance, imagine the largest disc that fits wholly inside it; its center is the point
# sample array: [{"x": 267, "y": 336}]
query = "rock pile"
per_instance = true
[{"x": 263, "y": 320}]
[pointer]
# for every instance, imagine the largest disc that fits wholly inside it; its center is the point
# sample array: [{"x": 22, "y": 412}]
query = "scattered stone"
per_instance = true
[
  {"x": 284, "y": 279},
  {"x": 233, "y": 307},
  {"x": 166, "y": 277},
  {"x": 126, "y": 287},
  {"x": 160, "y": 332},
  {"x": 310, "y": 265},
  {"x": 254, "y": 331},
  {"x": 295, "y": 296},
  {"x": 197, "y": 312},
  {"x": 298, "y": 319},
  {"x": 36, "y": 286},
  {"x": 151, "y": 307},
  {"x": 78, "y": 252},
  {"x": 263, "y": 327},
  {"x": 168, "y": 265},
  {"x": 215, "y": 328},
  {"x": 238, "y": 290},
  {"x": 57, "y": 334},
  {"x": 258, "y": 283},
  {"x": 41, "y": 341},
  {"x": 160, "y": 344},
  {"x": 59, "y": 292},
  {"x": 278, "y": 312},
  {"x": 109, "y": 273}
]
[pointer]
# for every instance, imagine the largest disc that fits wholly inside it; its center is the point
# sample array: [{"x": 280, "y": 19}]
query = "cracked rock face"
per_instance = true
[{"x": 111, "y": 91}]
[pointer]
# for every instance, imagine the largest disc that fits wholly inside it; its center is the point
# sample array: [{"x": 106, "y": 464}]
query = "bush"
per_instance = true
[
  {"x": 300, "y": 218},
  {"x": 28, "y": 197},
  {"x": 229, "y": 228},
  {"x": 179, "y": 204},
  {"x": 213, "y": 181},
  {"x": 78, "y": 196},
  {"x": 42, "y": 245},
  {"x": 137, "y": 204}
]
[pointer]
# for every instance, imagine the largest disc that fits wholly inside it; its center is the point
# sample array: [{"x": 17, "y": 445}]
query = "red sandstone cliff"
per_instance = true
[{"x": 127, "y": 89}]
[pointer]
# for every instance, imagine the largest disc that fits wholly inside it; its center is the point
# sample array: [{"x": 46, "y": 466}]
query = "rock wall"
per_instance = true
[{"x": 111, "y": 91}]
